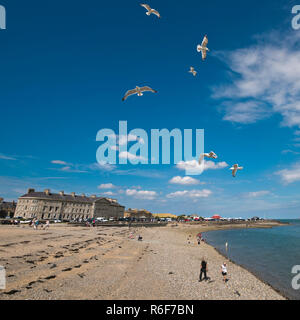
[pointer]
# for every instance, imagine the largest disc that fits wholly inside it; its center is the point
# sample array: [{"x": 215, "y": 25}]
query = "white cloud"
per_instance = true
[
  {"x": 141, "y": 194},
  {"x": 214, "y": 165},
  {"x": 106, "y": 186},
  {"x": 265, "y": 80},
  {"x": 245, "y": 112},
  {"x": 59, "y": 162},
  {"x": 289, "y": 151},
  {"x": 123, "y": 139},
  {"x": 193, "y": 165},
  {"x": 255, "y": 194},
  {"x": 193, "y": 194},
  {"x": 70, "y": 169},
  {"x": 4, "y": 157},
  {"x": 130, "y": 156},
  {"x": 108, "y": 193},
  {"x": 67, "y": 168},
  {"x": 103, "y": 166},
  {"x": 184, "y": 180},
  {"x": 290, "y": 175}
]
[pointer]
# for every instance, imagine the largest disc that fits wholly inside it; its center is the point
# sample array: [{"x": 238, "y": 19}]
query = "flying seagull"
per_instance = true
[
  {"x": 150, "y": 10},
  {"x": 235, "y": 168},
  {"x": 203, "y": 47},
  {"x": 210, "y": 155},
  {"x": 193, "y": 71},
  {"x": 138, "y": 90}
]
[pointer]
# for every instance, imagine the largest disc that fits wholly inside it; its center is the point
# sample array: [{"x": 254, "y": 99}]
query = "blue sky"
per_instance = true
[{"x": 65, "y": 66}]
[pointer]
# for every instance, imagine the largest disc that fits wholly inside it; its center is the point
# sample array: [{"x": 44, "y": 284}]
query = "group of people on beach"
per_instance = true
[
  {"x": 35, "y": 224},
  {"x": 199, "y": 238},
  {"x": 203, "y": 266},
  {"x": 91, "y": 223},
  {"x": 204, "y": 270}
]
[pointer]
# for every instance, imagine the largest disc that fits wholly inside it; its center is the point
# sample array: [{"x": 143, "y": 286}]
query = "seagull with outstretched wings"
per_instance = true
[
  {"x": 210, "y": 155},
  {"x": 139, "y": 91},
  {"x": 235, "y": 168},
  {"x": 150, "y": 10},
  {"x": 193, "y": 71},
  {"x": 203, "y": 47}
]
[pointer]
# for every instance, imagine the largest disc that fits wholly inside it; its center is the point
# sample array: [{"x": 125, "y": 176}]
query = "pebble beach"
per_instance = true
[{"x": 105, "y": 263}]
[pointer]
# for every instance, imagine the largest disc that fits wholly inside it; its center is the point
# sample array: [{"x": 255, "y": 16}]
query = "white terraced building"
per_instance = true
[{"x": 47, "y": 205}]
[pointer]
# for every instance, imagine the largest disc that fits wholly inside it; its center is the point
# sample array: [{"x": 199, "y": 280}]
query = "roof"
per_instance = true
[
  {"x": 7, "y": 205},
  {"x": 138, "y": 211},
  {"x": 165, "y": 215},
  {"x": 66, "y": 197}
]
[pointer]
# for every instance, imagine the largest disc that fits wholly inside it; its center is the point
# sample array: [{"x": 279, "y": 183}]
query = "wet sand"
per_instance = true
[{"x": 68, "y": 262}]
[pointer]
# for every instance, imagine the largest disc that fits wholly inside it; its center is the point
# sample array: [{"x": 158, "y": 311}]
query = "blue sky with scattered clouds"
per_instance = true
[{"x": 65, "y": 66}]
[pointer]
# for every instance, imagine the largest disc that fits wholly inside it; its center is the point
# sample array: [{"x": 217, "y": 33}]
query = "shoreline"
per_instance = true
[
  {"x": 105, "y": 263},
  {"x": 247, "y": 269},
  {"x": 257, "y": 225}
]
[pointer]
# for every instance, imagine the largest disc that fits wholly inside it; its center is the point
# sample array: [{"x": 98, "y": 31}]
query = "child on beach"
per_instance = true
[{"x": 224, "y": 272}]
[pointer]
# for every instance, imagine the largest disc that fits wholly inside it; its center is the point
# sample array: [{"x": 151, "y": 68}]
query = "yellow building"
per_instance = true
[
  {"x": 164, "y": 215},
  {"x": 138, "y": 214}
]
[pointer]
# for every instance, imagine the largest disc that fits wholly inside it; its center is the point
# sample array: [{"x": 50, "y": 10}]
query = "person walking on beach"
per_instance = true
[
  {"x": 47, "y": 225},
  {"x": 224, "y": 272},
  {"x": 199, "y": 237},
  {"x": 203, "y": 270}
]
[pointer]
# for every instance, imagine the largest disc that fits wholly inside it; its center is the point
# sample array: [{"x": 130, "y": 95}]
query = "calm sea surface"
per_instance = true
[{"x": 268, "y": 253}]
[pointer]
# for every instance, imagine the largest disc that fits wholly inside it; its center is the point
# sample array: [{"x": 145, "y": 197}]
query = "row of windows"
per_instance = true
[
  {"x": 57, "y": 216},
  {"x": 56, "y": 209},
  {"x": 64, "y": 203}
]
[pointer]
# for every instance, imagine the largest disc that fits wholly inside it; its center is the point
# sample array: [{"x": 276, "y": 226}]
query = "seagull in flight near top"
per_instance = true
[
  {"x": 235, "y": 168},
  {"x": 210, "y": 155},
  {"x": 150, "y": 10},
  {"x": 138, "y": 90},
  {"x": 203, "y": 47},
  {"x": 193, "y": 71}
]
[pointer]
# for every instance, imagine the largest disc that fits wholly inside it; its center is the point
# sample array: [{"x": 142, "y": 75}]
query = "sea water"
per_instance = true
[{"x": 270, "y": 254}]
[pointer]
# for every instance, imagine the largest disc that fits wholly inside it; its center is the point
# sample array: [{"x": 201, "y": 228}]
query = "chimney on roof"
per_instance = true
[
  {"x": 62, "y": 193},
  {"x": 47, "y": 191},
  {"x": 73, "y": 194},
  {"x": 30, "y": 190}
]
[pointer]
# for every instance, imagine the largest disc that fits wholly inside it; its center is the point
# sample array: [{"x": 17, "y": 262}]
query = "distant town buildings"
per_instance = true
[
  {"x": 7, "y": 209},
  {"x": 47, "y": 205},
  {"x": 139, "y": 214},
  {"x": 164, "y": 215}
]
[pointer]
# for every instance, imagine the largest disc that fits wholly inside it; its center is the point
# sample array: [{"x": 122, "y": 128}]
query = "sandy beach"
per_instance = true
[{"x": 67, "y": 262}]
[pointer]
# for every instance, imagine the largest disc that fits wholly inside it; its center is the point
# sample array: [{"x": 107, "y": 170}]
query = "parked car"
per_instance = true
[
  {"x": 99, "y": 219},
  {"x": 25, "y": 221}
]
